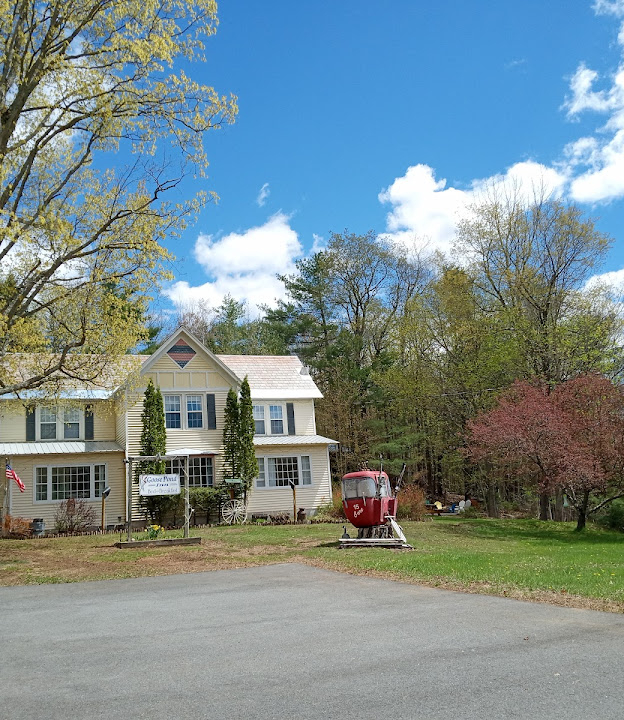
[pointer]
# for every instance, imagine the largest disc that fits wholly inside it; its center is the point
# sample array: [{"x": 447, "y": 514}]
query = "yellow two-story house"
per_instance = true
[{"x": 79, "y": 444}]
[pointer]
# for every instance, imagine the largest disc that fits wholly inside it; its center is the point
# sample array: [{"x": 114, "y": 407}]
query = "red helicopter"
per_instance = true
[{"x": 371, "y": 506}]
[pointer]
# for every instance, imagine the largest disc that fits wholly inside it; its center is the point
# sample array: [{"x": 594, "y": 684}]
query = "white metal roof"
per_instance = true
[
  {"x": 74, "y": 394},
  {"x": 262, "y": 440},
  {"x": 273, "y": 376},
  {"x": 53, "y": 447},
  {"x": 191, "y": 451}
]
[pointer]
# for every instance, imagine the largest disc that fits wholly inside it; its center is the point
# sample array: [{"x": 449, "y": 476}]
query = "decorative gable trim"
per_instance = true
[
  {"x": 195, "y": 347},
  {"x": 181, "y": 353}
]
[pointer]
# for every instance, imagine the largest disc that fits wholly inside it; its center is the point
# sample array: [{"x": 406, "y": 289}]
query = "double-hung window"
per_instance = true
[
  {"x": 47, "y": 423},
  {"x": 284, "y": 471},
  {"x": 184, "y": 412},
  {"x": 258, "y": 416},
  {"x": 269, "y": 419},
  {"x": 194, "y": 415},
  {"x": 58, "y": 482},
  {"x": 277, "y": 419},
  {"x": 71, "y": 423},
  {"x": 173, "y": 413},
  {"x": 59, "y": 423}
]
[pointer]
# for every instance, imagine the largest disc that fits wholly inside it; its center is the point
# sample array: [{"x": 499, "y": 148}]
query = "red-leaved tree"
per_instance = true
[{"x": 570, "y": 438}]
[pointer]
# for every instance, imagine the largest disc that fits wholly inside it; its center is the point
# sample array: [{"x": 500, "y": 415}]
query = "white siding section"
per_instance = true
[{"x": 304, "y": 417}]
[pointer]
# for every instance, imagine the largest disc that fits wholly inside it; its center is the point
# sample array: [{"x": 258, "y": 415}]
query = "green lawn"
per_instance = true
[
  {"x": 516, "y": 558},
  {"x": 506, "y": 557}
]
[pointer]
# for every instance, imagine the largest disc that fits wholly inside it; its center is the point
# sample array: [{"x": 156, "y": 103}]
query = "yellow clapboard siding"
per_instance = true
[{"x": 24, "y": 505}]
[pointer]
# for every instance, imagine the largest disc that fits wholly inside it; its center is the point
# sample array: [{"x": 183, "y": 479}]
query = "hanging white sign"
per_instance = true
[{"x": 159, "y": 485}]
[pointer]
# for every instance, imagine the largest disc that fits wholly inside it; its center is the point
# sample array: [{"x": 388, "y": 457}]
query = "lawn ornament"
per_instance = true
[{"x": 370, "y": 506}]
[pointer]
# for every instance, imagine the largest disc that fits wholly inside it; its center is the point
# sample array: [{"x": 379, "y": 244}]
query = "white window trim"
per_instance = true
[
  {"x": 184, "y": 424},
  {"x": 92, "y": 497},
  {"x": 267, "y": 418},
  {"x": 60, "y": 425},
  {"x": 298, "y": 456}
]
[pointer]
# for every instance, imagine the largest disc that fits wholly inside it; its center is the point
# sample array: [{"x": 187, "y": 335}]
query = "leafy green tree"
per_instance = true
[
  {"x": 530, "y": 260},
  {"x": 154, "y": 442},
  {"x": 94, "y": 102},
  {"x": 341, "y": 315}
]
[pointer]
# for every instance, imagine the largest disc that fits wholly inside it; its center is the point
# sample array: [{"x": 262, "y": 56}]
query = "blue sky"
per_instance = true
[{"x": 390, "y": 117}]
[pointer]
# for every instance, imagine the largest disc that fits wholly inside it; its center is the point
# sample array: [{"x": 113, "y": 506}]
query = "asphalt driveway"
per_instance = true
[{"x": 295, "y": 642}]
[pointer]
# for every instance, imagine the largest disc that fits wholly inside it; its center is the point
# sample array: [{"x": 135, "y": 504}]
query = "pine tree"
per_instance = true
[{"x": 248, "y": 462}]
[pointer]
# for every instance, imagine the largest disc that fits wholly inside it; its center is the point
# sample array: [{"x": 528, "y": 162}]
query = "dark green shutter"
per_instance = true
[
  {"x": 89, "y": 422},
  {"x": 290, "y": 416},
  {"x": 30, "y": 424},
  {"x": 211, "y": 412}
]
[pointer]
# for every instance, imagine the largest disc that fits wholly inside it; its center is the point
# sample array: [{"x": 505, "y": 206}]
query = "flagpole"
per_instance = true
[{"x": 5, "y": 499}]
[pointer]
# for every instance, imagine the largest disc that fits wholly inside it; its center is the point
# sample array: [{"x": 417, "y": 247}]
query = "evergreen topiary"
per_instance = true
[{"x": 154, "y": 442}]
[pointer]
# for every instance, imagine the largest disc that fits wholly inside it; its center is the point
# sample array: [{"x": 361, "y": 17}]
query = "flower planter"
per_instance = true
[{"x": 159, "y": 543}]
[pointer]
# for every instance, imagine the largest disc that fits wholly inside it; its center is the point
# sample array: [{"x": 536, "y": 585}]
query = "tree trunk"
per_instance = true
[
  {"x": 491, "y": 499},
  {"x": 582, "y": 512},
  {"x": 544, "y": 506},
  {"x": 558, "y": 515}
]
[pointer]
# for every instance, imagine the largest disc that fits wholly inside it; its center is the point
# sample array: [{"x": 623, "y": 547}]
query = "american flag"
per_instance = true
[{"x": 12, "y": 475}]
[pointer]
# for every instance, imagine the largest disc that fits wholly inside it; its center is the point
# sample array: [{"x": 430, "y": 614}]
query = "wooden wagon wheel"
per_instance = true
[{"x": 234, "y": 511}]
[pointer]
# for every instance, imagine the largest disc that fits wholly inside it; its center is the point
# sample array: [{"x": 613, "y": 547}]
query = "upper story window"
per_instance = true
[
  {"x": 189, "y": 412},
  {"x": 47, "y": 423},
  {"x": 173, "y": 414},
  {"x": 71, "y": 423},
  {"x": 276, "y": 413},
  {"x": 274, "y": 419},
  {"x": 194, "y": 413},
  {"x": 59, "y": 423},
  {"x": 258, "y": 415}
]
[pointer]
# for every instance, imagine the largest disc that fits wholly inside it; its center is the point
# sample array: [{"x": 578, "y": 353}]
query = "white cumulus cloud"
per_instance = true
[
  {"x": 243, "y": 265},
  {"x": 612, "y": 281},
  {"x": 425, "y": 212}
]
